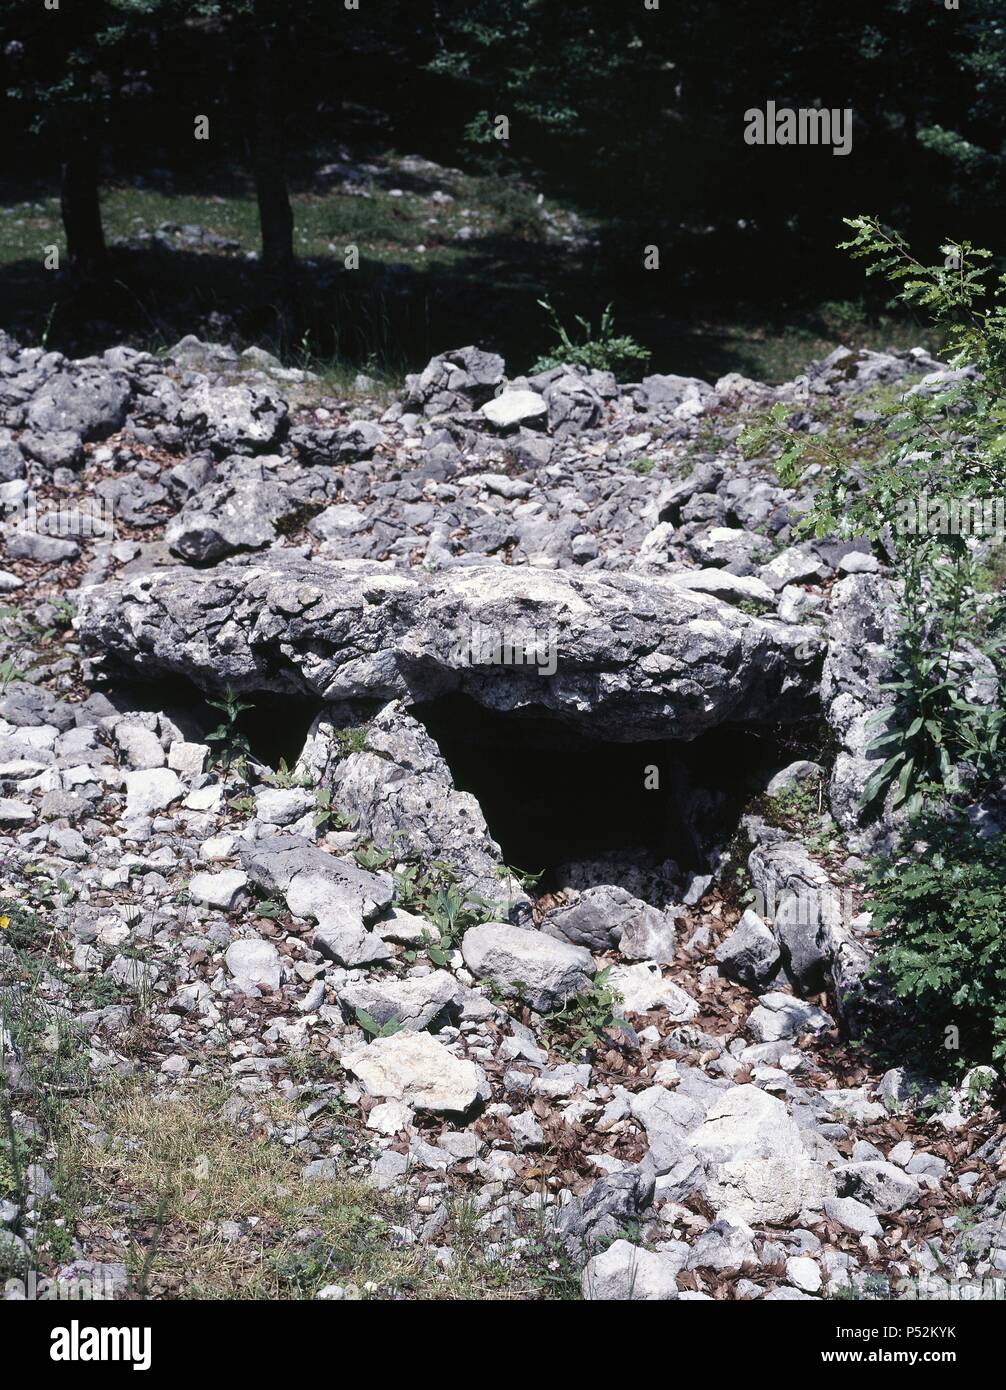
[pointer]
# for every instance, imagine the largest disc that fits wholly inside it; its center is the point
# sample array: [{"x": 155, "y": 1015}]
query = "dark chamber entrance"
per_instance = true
[{"x": 550, "y": 795}]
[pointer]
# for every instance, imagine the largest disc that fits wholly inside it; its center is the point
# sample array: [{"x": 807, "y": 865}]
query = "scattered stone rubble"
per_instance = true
[{"x": 336, "y": 553}]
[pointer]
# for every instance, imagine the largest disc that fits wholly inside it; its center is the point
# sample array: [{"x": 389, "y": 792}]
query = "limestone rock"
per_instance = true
[
  {"x": 755, "y": 1159},
  {"x": 416, "y": 1002},
  {"x": 417, "y": 1070},
  {"x": 750, "y": 954},
  {"x": 254, "y": 964},
  {"x": 526, "y": 964},
  {"x": 151, "y": 790},
  {"x": 635, "y": 659},
  {"x": 628, "y": 1272}
]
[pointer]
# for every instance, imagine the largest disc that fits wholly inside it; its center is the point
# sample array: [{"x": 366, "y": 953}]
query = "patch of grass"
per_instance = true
[
  {"x": 420, "y": 286},
  {"x": 44, "y": 1063},
  {"x": 184, "y": 1167}
]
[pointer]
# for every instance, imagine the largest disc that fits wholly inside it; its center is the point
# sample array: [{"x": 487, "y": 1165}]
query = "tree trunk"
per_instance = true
[
  {"x": 268, "y": 44},
  {"x": 81, "y": 208}
]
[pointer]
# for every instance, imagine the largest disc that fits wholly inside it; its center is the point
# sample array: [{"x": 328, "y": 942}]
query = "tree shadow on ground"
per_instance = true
[{"x": 397, "y": 314}]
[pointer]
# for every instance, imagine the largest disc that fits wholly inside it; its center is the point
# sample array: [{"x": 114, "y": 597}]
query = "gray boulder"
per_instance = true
[
  {"x": 343, "y": 444},
  {"x": 342, "y": 898},
  {"x": 55, "y": 449},
  {"x": 607, "y": 918},
  {"x": 573, "y": 406},
  {"x": 635, "y": 658},
  {"x": 614, "y": 1201},
  {"x": 415, "y": 1003},
  {"x": 750, "y": 954},
  {"x": 526, "y": 964},
  {"x": 399, "y": 791},
  {"x": 665, "y": 393},
  {"x": 29, "y": 706},
  {"x": 12, "y": 465},
  {"x": 459, "y": 380},
  {"x": 89, "y": 403},
  {"x": 245, "y": 506},
  {"x": 233, "y": 419}
]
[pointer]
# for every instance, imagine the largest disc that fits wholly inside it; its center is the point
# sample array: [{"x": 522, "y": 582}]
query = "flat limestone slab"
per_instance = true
[{"x": 630, "y": 656}]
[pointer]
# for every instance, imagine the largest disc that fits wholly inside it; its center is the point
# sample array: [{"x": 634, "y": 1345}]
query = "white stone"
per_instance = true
[
  {"x": 151, "y": 790},
  {"x": 189, "y": 759},
  {"x": 205, "y": 798},
  {"x": 779, "y": 1016},
  {"x": 217, "y": 847},
  {"x": 756, "y": 1161},
  {"x": 417, "y": 1069},
  {"x": 512, "y": 408},
  {"x": 338, "y": 907},
  {"x": 223, "y": 890},
  {"x": 281, "y": 805},
  {"x": 858, "y": 562},
  {"x": 254, "y": 964},
  {"x": 852, "y": 1216},
  {"x": 414, "y": 1003},
  {"x": 626, "y": 1272},
  {"x": 525, "y": 1131},
  {"x": 141, "y": 746},
  {"x": 881, "y": 1186},
  {"x": 804, "y": 1273},
  {"x": 390, "y": 1117},
  {"x": 642, "y": 988}
]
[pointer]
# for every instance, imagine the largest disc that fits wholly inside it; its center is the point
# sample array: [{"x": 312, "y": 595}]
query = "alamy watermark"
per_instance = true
[
  {"x": 807, "y": 125},
  {"x": 925, "y": 515},
  {"x": 805, "y": 905},
  {"x": 483, "y": 645},
  {"x": 88, "y": 517},
  {"x": 102, "y": 1286}
]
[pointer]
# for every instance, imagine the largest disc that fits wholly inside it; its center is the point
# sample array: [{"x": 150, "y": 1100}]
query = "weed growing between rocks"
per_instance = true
[
  {"x": 935, "y": 751},
  {"x": 939, "y": 908},
  {"x": 604, "y": 351},
  {"x": 942, "y": 439},
  {"x": 432, "y": 892},
  {"x": 586, "y": 1020}
]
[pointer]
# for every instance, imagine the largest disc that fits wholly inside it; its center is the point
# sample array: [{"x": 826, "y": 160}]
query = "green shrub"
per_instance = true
[
  {"x": 940, "y": 907},
  {"x": 586, "y": 1019},
  {"x": 605, "y": 352},
  {"x": 948, "y": 443}
]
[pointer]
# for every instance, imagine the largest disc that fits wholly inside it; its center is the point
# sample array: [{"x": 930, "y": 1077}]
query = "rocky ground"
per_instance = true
[{"x": 280, "y": 1018}]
